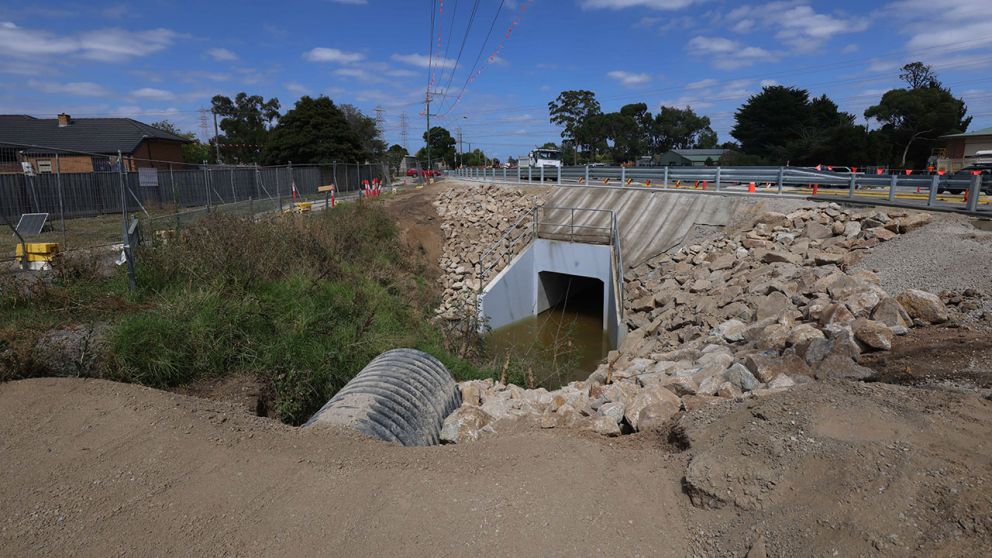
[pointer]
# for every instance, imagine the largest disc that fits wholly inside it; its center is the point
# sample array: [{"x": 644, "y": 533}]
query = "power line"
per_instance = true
[
  {"x": 461, "y": 49},
  {"x": 478, "y": 57}
]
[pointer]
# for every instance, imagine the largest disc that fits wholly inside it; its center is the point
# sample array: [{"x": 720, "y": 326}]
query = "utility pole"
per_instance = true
[
  {"x": 461, "y": 153},
  {"x": 216, "y": 135},
  {"x": 204, "y": 130},
  {"x": 404, "y": 133},
  {"x": 379, "y": 119},
  {"x": 428, "y": 135}
]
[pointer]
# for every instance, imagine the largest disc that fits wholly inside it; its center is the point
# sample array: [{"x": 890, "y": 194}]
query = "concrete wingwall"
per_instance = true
[
  {"x": 517, "y": 292},
  {"x": 651, "y": 222}
]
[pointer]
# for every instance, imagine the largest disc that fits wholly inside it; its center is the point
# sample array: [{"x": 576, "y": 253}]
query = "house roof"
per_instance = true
[
  {"x": 89, "y": 135},
  {"x": 971, "y": 134},
  {"x": 700, "y": 155}
]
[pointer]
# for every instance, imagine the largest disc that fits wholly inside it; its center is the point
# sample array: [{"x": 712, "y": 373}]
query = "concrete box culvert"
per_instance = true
[{"x": 401, "y": 396}]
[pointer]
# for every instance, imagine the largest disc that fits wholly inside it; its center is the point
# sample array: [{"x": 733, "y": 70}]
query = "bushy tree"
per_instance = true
[
  {"x": 570, "y": 110},
  {"x": 194, "y": 153},
  {"x": 314, "y": 131},
  {"x": 367, "y": 130},
  {"x": 676, "y": 128},
  {"x": 442, "y": 146},
  {"x": 245, "y": 121}
]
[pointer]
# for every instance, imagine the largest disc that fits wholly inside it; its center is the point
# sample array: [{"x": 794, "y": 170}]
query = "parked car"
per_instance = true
[
  {"x": 964, "y": 176},
  {"x": 412, "y": 172}
]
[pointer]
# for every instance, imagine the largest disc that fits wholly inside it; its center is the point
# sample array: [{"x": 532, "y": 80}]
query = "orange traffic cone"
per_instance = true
[
  {"x": 704, "y": 185},
  {"x": 750, "y": 187},
  {"x": 815, "y": 188}
]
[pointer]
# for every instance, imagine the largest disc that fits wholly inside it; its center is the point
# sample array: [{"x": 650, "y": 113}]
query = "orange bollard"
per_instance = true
[
  {"x": 815, "y": 188},
  {"x": 647, "y": 183},
  {"x": 966, "y": 196},
  {"x": 704, "y": 185},
  {"x": 606, "y": 181},
  {"x": 750, "y": 187}
]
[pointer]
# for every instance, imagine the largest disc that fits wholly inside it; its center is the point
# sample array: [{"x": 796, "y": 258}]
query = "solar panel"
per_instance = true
[{"x": 32, "y": 223}]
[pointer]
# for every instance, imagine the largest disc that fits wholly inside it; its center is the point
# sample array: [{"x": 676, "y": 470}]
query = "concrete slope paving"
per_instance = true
[{"x": 650, "y": 222}]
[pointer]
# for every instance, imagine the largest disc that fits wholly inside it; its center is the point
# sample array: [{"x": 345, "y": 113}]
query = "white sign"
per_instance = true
[{"x": 28, "y": 169}]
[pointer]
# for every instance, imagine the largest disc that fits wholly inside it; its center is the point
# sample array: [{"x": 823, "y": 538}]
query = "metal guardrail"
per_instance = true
[
  {"x": 543, "y": 222},
  {"x": 922, "y": 191}
]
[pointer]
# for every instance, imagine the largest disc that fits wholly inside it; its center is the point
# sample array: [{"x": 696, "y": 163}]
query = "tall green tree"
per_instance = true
[
  {"x": 245, "y": 121},
  {"x": 368, "y": 131},
  {"x": 395, "y": 154},
  {"x": 570, "y": 110},
  {"x": 194, "y": 153},
  {"x": 676, "y": 128},
  {"x": 914, "y": 119},
  {"x": 314, "y": 131},
  {"x": 442, "y": 146}
]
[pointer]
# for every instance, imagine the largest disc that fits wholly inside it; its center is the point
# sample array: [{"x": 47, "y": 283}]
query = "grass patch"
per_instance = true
[{"x": 301, "y": 302}]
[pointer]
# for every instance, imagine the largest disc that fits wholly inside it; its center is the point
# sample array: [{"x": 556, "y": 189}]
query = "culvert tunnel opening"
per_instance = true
[{"x": 567, "y": 338}]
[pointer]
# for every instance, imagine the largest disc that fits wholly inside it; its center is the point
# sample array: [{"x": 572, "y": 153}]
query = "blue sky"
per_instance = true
[{"x": 164, "y": 60}]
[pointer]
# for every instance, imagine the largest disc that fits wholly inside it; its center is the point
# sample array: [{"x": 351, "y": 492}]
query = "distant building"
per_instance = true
[
  {"x": 84, "y": 144},
  {"x": 690, "y": 157},
  {"x": 962, "y": 146}
]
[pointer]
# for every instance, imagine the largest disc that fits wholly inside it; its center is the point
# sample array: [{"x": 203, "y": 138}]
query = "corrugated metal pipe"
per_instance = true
[{"x": 402, "y": 396}]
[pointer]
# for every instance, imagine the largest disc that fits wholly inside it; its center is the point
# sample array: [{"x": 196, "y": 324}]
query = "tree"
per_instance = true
[
  {"x": 314, "y": 131},
  {"x": 245, "y": 122},
  {"x": 367, "y": 130},
  {"x": 395, "y": 155},
  {"x": 442, "y": 146},
  {"x": 707, "y": 139},
  {"x": 194, "y": 153},
  {"x": 676, "y": 128},
  {"x": 913, "y": 119},
  {"x": 919, "y": 75},
  {"x": 570, "y": 110},
  {"x": 782, "y": 124}
]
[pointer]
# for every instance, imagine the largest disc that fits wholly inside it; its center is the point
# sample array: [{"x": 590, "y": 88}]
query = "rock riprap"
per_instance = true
[{"x": 745, "y": 315}]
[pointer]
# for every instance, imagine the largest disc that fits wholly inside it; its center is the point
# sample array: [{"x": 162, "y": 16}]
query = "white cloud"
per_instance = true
[
  {"x": 400, "y": 73},
  {"x": 221, "y": 54},
  {"x": 796, "y": 24},
  {"x": 629, "y": 79},
  {"x": 768, "y": 83},
  {"x": 702, "y": 84},
  {"x": 424, "y": 61},
  {"x": 79, "y": 88},
  {"x": 957, "y": 25},
  {"x": 153, "y": 94},
  {"x": 323, "y": 54},
  {"x": 295, "y": 87},
  {"x": 360, "y": 74},
  {"x": 105, "y": 45},
  {"x": 727, "y": 54},
  {"x": 652, "y": 4}
]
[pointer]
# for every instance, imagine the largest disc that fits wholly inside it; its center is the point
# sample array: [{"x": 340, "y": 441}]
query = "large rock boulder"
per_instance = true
[
  {"x": 872, "y": 335},
  {"x": 465, "y": 424},
  {"x": 664, "y": 400},
  {"x": 923, "y": 306}
]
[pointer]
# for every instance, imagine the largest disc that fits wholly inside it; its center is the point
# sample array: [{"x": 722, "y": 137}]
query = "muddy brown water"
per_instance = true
[{"x": 563, "y": 344}]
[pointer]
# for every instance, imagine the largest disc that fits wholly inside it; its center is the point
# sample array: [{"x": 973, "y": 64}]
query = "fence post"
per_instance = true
[
  {"x": 666, "y": 177},
  {"x": 852, "y": 185},
  {"x": 278, "y": 189},
  {"x": 132, "y": 282},
  {"x": 976, "y": 192},
  {"x": 718, "y": 172},
  {"x": 256, "y": 182},
  {"x": 206, "y": 185},
  {"x": 233, "y": 193},
  {"x": 893, "y": 182},
  {"x": 781, "y": 179},
  {"x": 932, "y": 197},
  {"x": 58, "y": 184}
]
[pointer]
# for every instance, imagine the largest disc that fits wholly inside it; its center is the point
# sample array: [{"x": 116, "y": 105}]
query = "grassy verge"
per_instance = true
[{"x": 302, "y": 303}]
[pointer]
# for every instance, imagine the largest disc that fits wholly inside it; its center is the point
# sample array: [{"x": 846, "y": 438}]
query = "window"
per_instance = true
[{"x": 44, "y": 165}]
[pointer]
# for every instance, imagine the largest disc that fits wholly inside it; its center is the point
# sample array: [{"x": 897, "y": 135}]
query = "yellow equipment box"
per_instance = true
[
  {"x": 38, "y": 251},
  {"x": 303, "y": 207}
]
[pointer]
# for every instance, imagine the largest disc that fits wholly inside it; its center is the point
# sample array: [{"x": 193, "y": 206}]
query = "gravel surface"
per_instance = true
[{"x": 948, "y": 254}]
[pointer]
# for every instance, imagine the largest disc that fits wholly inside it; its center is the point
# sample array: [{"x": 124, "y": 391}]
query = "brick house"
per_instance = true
[{"x": 84, "y": 144}]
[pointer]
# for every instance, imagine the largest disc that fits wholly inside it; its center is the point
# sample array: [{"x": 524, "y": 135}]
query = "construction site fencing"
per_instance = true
[
  {"x": 91, "y": 198},
  {"x": 967, "y": 193}
]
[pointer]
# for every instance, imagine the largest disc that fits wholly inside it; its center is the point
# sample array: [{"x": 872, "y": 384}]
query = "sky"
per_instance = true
[{"x": 164, "y": 60}]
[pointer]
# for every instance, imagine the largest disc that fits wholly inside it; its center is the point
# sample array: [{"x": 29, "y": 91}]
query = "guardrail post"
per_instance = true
[
  {"x": 852, "y": 185},
  {"x": 623, "y": 176},
  {"x": 666, "y": 177},
  {"x": 559, "y": 175},
  {"x": 542, "y": 174},
  {"x": 893, "y": 182},
  {"x": 976, "y": 191},
  {"x": 932, "y": 198},
  {"x": 781, "y": 179},
  {"x": 518, "y": 171},
  {"x": 587, "y": 174},
  {"x": 504, "y": 174},
  {"x": 718, "y": 169},
  {"x": 530, "y": 174}
]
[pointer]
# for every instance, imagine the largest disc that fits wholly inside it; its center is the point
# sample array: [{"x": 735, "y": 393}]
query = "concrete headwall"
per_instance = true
[{"x": 517, "y": 292}]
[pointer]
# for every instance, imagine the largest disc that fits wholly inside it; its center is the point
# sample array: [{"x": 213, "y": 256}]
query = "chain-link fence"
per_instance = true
[{"x": 87, "y": 198}]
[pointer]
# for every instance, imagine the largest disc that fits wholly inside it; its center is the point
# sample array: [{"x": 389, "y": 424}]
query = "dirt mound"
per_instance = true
[{"x": 97, "y": 468}]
